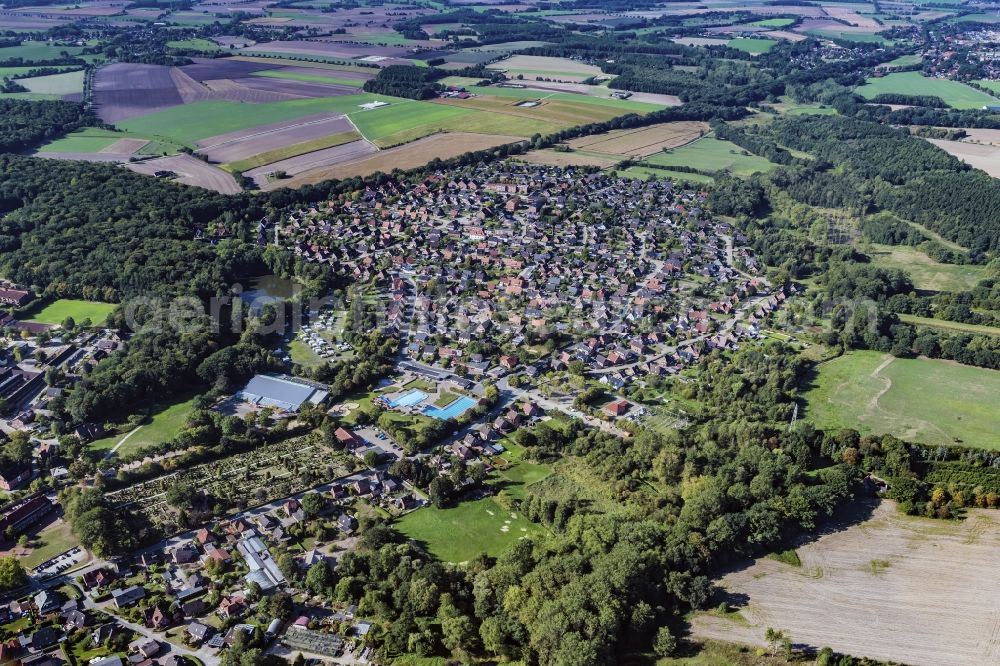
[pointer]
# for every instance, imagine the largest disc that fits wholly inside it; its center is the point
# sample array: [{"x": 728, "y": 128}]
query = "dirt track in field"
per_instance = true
[
  {"x": 240, "y": 145},
  {"x": 190, "y": 171},
  {"x": 913, "y": 590}
]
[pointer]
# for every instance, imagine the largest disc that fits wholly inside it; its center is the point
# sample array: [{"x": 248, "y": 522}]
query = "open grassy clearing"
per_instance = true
[
  {"x": 711, "y": 154},
  {"x": 57, "y": 311},
  {"x": 954, "y": 94},
  {"x": 951, "y": 325},
  {"x": 931, "y": 401},
  {"x": 926, "y": 273},
  {"x": 293, "y": 150},
  {"x": 907, "y": 607},
  {"x": 67, "y": 83},
  {"x": 622, "y": 106},
  {"x": 8, "y": 72},
  {"x": 459, "y": 533},
  {"x": 166, "y": 421},
  {"x": 34, "y": 51},
  {"x": 752, "y": 45},
  {"x": 309, "y": 78},
  {"x": 905, "y": 61},
  {"x": 849, "y": 35}
]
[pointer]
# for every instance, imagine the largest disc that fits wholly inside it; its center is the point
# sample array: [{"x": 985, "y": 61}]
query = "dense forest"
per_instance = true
[
  {"x": 25, "y": 124},
  {"x": 406, "y": 81}
]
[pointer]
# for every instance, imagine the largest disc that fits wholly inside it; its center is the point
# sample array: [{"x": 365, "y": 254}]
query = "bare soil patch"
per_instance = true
[
  {"x": 126, "y": 90},
  {"x": 190, "y": 171},
  {"x": 410, "y": 156},
  {"x": 892, "y": 587}
]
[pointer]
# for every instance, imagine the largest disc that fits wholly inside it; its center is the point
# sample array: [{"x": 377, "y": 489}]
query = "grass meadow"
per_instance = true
[
  {"x": 931, "y": 401},
  {"x": 711, "y": 154},
  {"x": 926, "y": 273},
  {"x": 166, "y": 421}
]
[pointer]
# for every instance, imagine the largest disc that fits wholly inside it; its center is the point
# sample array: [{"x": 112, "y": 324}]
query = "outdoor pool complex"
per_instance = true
[
  {"x": 453, "y": 410},
  {"x": 409, "y": 399}
]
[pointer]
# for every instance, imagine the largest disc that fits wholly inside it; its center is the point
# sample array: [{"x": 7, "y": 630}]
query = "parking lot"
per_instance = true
[{"x": 61, "y": 563}]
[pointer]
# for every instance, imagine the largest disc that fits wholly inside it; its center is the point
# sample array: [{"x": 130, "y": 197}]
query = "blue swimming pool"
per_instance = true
[
  {"x": 453, "y": 410},
  {"x": 409, "y": 399}
]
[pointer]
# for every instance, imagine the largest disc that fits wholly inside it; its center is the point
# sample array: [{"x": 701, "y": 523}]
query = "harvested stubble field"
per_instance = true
[
  {"x": 243, "y": 144},
  {"x": 985, "y": 157},
  {"x": 575, "y": 158},
  {"x": 347, "y": 152},
  {"x": 410, "y": 156},
  {"x": 643, "y": 142},
  {"x": 294, "y": 151},
  {"x": 892, "y": 587}
]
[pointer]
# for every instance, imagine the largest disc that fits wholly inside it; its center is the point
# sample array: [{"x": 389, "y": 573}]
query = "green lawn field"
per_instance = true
[
  {"x": 188, "y": 123},
  {"x": 905, "y": 60},
  {"x": 931, "y": 401},
  {"x": 57, "y": 311},
  {"x": 54, "y": 540},
  {"x": 459, "y": 533},
  {"x": 957, "y": 95},
  {"x": 753, "y": 46},
  {"x": 164, "y": 424},
  {"x": 926, "y": 273},
  {"x": 309, "y": 78},
  {"x": 711, "y": 154}
]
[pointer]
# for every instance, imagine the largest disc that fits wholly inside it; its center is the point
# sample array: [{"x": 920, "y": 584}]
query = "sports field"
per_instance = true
[
  {"x": 711, "y": 154},
  {"x": 954, "y": 94},
  {"x": 57, "y": 311},
  {"x": 931, "y": 401},
  {"x": 751, "y": 45}
]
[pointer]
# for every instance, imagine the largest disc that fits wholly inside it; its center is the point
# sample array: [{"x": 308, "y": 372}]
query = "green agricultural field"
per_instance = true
[
  {"x": 906, "y": 60},
  {"x": 599, "y": 98},
  {"x": 34, "y": 51},
  {"x": 309, "y": 78},
  {"x": 926, "y": 273},
  {"x": 395, "y": 118},
  {"x": 957, "y": 95},
  {"x": 67, "y": 83},
  {"x": 711, "y": 154},
  {"x": 774, "y": 22},
  {"x": 8, "y": 72},
  {"x": 196, "y": 44},
  {"x": 87, "y": 140},
  {"x": 643, "y": 173},
  {"x": 164, "y": 424},
  {"x": 753, "y": 46},
  {"x": 459, "y": 533},
  {"x": 865, "y": 37},
  {"x": 931, "y": 401},
  {"x": 994, "y": 86},
  {"x": 188, "y": 123},
  {"x": 57, "y": 311}
]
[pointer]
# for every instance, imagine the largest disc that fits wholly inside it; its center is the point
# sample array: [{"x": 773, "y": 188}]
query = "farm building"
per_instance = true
[{"x": 281, "y": 392}]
